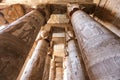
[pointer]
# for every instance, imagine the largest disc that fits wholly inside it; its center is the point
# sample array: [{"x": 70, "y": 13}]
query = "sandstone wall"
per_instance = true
[
  {"x": 109, "y": 11},
  {"x": 35, "y": 2}
]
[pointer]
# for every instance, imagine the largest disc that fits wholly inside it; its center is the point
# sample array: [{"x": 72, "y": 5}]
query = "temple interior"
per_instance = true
[{"x": 59, "y": 39}]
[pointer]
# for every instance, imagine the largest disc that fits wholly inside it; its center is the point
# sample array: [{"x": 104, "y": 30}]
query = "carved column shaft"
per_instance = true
[
  {"x": 46, "y": 68},
  {"x": 16, "y": 40},
  {"x": 100, "y": 48},
  {"x": 73, "y": 66},
  {"x": 35, "y": 66}
]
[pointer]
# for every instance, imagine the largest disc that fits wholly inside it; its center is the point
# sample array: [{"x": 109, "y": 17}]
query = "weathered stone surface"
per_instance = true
[
  {"x": 12, "y": 12},
  {"x": 73, "y": 69},
  {"x": 109, "y": 11},
  {"x": 36, "y": 2},
  {"x": 100, "y": 48},
  {"x": 35, "y": 67},
  {"x": 15, "y": 42},
  {"x": 2, "y": 19},
  {"x": 46, "y": 68}
]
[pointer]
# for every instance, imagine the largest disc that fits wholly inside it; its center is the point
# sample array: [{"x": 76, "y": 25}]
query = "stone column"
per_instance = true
[
  {"x": 16, "y": 40},
  {"x": 100, "y": 48},
  {"x": 35, "y": 66},
  {"x": 73, "y": 66},
  {"x": 46, "y": 68}
]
